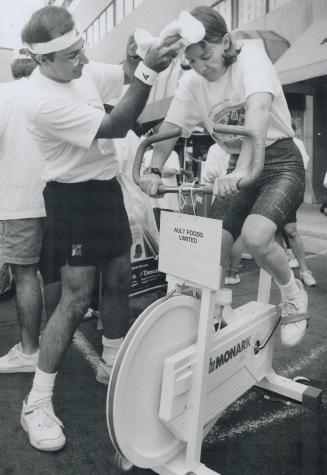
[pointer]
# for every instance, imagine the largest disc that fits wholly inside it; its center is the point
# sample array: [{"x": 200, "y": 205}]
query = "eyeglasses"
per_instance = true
[{"x": 76, "y": 59}]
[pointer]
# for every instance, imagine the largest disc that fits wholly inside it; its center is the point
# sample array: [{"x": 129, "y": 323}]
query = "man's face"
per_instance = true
[{"x": 67, "y": 64}]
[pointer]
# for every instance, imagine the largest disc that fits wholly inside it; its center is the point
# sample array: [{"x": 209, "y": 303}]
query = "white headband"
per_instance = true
[{"x": 57, "y": 44}]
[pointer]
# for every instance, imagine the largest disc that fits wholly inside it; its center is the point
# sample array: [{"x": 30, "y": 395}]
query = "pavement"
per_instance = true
[
  {"x": 312, "y": 225},
  {"x": 254, "y": 436}
]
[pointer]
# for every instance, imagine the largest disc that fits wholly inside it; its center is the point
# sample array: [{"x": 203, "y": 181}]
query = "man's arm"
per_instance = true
[{"x": 125, "y": 114}]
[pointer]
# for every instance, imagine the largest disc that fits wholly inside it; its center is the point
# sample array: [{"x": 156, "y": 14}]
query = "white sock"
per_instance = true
[
  {"x": 42, "y": 388},
  {"x": 290, "y": 290},
  {"x": 110, "y": 349}
]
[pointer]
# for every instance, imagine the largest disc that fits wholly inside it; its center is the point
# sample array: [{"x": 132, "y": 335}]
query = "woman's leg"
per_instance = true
[{"x": 258, "y": 237}]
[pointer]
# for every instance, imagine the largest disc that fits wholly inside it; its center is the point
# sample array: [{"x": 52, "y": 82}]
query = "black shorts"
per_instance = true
[
  {"x": 86, "y": 224},
  {"x": 277, "y": 194}
]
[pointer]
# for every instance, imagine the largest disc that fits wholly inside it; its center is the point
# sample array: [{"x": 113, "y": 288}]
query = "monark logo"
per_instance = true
[{"x": 228, "y": 355}]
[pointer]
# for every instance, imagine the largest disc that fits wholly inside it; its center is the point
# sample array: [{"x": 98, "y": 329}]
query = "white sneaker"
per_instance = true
[
  {"x": 15, "y": 361},
  {"x": 307, "y": 278},
  {"x": 292, "y": 260},
  {"x": 294, "y": 317},
  {"x": 104, "y": 372},
  {"x": 43, "y": 428}
]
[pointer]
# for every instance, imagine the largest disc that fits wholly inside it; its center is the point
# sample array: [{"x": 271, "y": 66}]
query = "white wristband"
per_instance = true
[{"x": 145, "y": 74}]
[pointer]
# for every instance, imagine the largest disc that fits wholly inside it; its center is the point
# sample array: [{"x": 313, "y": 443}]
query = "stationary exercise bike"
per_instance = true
[{"x": 186, "y": 359}]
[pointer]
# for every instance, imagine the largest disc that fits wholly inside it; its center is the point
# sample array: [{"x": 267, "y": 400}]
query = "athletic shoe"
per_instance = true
[
  {"x": 307, "y": 278},
  {"x": 15, "y": 361},
  {"x": 294, "y": 317},
  {"x": 104, "y": 372},
  {"x": 234, "y": 278},
  {"x": 292, "y": 260},
  {"x": 43, "y": 428}
]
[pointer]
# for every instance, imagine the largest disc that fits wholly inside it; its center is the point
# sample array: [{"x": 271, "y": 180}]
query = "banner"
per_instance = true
[{"x": 145, "y": 274}]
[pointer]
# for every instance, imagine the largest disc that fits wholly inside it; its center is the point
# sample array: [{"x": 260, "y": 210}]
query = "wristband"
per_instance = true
[
  {"x": 155, "y": 171},
  {"x": 145, "y": 74}
]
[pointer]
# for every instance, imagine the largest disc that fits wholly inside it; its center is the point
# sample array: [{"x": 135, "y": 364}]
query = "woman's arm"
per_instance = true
[
  {"x": 256, "y": 118},
  {"x": 150, "y": 183}
]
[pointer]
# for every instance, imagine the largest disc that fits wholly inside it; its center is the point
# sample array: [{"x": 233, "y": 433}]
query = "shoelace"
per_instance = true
[
  {"x": 15, "y": 351},
  {"x": 44, "y": 406},
  {"x": 287, "y": 308}
]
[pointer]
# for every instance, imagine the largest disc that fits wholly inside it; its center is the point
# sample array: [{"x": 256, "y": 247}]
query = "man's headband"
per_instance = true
[{"x": 57, "y": 44}]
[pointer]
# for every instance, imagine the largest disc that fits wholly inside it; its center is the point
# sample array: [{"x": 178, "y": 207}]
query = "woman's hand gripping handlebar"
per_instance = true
[{"x": 251, "y": 178}]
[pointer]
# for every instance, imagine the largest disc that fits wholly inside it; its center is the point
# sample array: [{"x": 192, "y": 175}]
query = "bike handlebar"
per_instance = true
[{"x": 258, "y": 163}]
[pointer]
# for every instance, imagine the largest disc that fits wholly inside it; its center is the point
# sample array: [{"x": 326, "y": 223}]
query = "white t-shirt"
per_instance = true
[
  {"x": 169, "y": 200},
  {"x": 64, "y": 119},
  {"x": 301, "y": 147},
  {"x": 20, "y": 162},
  {"x": 224, "y": 101},
  {"x": 216, "y": 164}
]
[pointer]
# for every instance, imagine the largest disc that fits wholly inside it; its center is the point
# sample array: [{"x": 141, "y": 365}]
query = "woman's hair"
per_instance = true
[
  {"x": 22, "y": 68},
  {"x": 215, "y": 30},
  {"x": 46, "y": 24}
]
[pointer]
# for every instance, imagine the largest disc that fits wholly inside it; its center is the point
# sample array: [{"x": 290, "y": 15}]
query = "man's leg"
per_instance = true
[
  {"x": 23, "y": 356},
  {"x": 258, "y": 237},
  {"x": 38, "y": 418},
  {"x": 29, "y": 305},
  {"x": 116, "y": 280}
]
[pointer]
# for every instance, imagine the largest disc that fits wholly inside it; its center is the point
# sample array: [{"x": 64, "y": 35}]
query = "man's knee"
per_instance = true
[
  {"x": 117, "y": 276},
  {"x": 76, "y": 290},
  {"x": 22, "y": 273}
]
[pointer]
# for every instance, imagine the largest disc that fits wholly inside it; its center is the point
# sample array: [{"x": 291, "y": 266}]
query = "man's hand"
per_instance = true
[
  {"x": 227, "y": 184},
  {"x": 149, "y": 183},
  {"x": 131, "y": 61},
  {"x": 160, "y": 54}
]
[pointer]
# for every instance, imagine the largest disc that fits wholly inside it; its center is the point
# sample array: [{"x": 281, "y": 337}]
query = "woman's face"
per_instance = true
[{"x": 207, "y": 59}]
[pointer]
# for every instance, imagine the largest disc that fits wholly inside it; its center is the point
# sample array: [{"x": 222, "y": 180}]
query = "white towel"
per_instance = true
[{"x": 189, "y": 28}]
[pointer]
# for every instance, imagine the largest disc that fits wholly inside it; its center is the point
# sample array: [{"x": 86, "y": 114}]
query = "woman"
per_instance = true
[{"x": 234, "y": 86}]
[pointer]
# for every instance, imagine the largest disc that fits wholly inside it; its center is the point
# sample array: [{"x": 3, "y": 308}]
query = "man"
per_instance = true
[
  {"x": 21, "y": 216},
  {"x": 87, "y": 221}
]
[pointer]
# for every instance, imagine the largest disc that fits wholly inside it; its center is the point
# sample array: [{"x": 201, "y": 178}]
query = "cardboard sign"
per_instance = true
[{"x": 189, "y": 248}]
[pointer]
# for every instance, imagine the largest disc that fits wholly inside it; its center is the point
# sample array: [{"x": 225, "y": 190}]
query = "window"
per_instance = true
[
  {"x": 128, "y": 7},
  {"x": 249, "y": 10},
  {"x": 274, "y": 4},
  {"x": 89, "y": 36},
  {"x": 96, "y": 30},
  {"x": 119, "y": 11},
  {"x": 103, "y": 24},
  {"x": 110, "y": 17}
]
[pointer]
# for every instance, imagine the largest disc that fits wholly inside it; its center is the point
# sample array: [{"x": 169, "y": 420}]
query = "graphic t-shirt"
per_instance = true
[
  {"x": 64, "y": 119},
  {"x": 224, "y": 101}
]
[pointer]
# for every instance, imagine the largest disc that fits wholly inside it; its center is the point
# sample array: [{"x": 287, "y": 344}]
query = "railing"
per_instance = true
[{"x": 113, "y": 14}]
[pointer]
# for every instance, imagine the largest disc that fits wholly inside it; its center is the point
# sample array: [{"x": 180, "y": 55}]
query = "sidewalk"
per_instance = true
[{"x": 311, "y": 222}]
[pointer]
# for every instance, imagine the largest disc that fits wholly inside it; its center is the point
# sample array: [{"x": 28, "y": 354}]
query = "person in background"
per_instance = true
[
  {"x": 295, "y": 248},
  {"x": 22, "y": 215}
]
